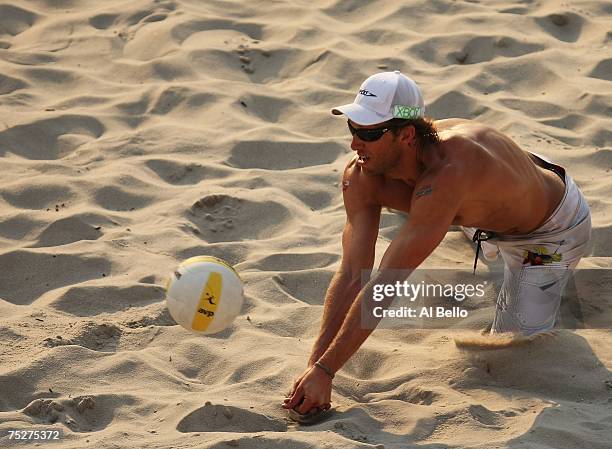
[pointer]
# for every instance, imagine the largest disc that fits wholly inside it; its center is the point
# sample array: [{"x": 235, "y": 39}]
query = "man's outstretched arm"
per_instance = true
[
  {"x": 358, "y": 241},
  {"x": 417, "y": 244},
  {"x": 434, "y": 207},
  {"x": 358, "y": 251}
]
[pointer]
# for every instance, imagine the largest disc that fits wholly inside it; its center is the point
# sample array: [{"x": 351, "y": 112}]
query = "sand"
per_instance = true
[{"x": 134, "y": 135}]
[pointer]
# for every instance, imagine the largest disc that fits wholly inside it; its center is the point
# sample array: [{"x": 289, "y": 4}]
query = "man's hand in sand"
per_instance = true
[
  {"x": 312, "y": 390},
  {"x": 297, "y": 382}
]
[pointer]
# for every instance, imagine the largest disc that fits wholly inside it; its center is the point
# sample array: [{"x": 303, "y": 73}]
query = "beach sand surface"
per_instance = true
[{"x": 134, "y": 135}]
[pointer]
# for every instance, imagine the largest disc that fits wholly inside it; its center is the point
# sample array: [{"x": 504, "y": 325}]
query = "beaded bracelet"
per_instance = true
[{"x": 325, "y": 368}]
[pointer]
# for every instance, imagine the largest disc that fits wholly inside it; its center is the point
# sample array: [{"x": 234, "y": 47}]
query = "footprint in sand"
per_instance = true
[
  {"x": 97, "y": 337},
  {"x": 52, "y": 138},
  {"x": 223, "y": 218},
  {"x": 79, "y": 414},
  {"x": 120, "y": 199},
  {"x": 153, "y": 315},
  {"x": 184, "y": 173},
  {"x": 283, "y": 155},
  {"x": 413, "y": 395},
  {"x": 456, "y": 104},
  {"x": 36, "y": 197},
  {"x": 485, "y": 416},
  {"x": 84, "y": 300},
  {"x": 26, "y": 275},
  {"x": 469, "y": 49},
  {"x": 221, "y": 418},
  {"x": 15, "y": 20},
  {"x": 9, "y": 84},
  {"x": 20, "y": 226},
  {"x": 565, "y": 26},
  {"x": 296, "y": 261},
  {"x": 67, "y": 230},
  {"x": 103, "y": 21},
  {"x": 308, "y": 286},
  {"x": 603, "y": 70}
]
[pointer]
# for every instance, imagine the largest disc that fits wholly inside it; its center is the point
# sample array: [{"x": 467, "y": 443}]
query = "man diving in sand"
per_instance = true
[{"x": 446, "y": 172}]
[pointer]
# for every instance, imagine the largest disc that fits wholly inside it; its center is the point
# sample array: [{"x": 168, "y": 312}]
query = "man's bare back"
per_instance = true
[{"x": 508, "y": 192}]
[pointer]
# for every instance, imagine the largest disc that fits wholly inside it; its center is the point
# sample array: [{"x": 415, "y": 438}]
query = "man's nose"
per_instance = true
[{"x": 356, "y": 143}]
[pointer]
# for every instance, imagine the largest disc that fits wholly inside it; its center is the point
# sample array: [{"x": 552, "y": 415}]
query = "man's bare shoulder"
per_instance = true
[
  {"x": 463, "y": 131},
  {"x": 358, "y": 185},
  {"x": 447, "y": 123},
  {"x": 355, "y": 175}
]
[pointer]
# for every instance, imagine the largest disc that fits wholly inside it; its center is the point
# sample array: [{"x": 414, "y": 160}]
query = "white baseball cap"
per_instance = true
[{"x": 384, "y": 96}]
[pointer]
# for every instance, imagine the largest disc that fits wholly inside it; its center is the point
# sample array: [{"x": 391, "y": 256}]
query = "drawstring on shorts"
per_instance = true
[{"x": 480, "y": 236}]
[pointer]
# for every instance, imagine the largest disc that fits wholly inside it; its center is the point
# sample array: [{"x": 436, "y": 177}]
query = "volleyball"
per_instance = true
[{"x": 204, "y": 294}]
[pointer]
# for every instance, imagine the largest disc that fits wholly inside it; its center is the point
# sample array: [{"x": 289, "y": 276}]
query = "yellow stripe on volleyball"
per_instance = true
[
  {"x": 209, "y": 301},
  {"x": 197, "y": 259}
]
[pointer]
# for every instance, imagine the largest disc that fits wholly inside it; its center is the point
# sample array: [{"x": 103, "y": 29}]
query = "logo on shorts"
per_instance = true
[{"x": 541, "y": 257}]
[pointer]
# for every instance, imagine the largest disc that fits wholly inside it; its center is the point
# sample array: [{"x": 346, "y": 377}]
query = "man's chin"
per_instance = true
[{"x": 370, "y": 170}]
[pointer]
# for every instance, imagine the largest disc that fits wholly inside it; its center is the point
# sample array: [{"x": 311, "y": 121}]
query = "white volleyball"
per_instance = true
[{"x": 204, "y": 294}]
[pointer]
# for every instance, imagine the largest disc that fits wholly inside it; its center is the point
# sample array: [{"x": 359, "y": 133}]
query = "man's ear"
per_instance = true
[{"x": 408, "y": 134}]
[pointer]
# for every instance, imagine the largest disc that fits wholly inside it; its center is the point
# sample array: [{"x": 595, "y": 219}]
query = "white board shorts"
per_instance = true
[{"x": 538, "y": 265}]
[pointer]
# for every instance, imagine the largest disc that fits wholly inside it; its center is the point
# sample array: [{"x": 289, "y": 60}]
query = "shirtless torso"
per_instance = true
[
  {"x": 476, "y": 172},
  {"x": 474, "y": 177}
]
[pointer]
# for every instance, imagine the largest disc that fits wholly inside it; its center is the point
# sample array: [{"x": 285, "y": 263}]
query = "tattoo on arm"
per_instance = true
[{"x": 424, "y": 191}]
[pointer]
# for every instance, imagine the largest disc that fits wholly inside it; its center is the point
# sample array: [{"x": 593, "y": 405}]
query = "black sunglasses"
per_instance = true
[{"x": 371, "y": 134}]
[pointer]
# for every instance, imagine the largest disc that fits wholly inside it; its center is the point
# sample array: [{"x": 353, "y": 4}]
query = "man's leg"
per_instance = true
[
  {"x": 535, "y": 277},
  {"x": 529, "y": 300}
]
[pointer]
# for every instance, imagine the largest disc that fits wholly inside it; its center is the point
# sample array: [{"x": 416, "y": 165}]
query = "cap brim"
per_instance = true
[{"x": 361, "y": 115}]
